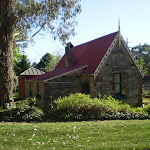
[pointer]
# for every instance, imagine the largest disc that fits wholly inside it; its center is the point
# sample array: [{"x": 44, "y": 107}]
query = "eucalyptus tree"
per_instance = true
[{"x": 55, "y": 16}]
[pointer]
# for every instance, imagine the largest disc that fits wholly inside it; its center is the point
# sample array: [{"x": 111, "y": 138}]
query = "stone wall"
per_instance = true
[
  {"x": 119, "y": 61},
  {"x": 62, "y": 86}
]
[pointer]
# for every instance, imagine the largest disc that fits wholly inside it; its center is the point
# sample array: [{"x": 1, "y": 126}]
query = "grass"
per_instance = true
[{"x": 94, "y": 135}]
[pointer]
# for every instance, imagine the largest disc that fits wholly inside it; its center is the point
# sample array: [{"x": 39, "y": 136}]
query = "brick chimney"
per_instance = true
[{"x": 69, "y": 55}]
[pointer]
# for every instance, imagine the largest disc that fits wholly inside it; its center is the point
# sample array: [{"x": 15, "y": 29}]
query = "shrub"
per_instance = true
[
  {"x": 23, "y": 111},
  {"x": 147, "y": 108},
  {"x": 84, "y": 103},
  {"x": 82, "y": 107}
]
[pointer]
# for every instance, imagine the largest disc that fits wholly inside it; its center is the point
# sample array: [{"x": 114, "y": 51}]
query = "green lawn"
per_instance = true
[{"x": 92, "y": 135}]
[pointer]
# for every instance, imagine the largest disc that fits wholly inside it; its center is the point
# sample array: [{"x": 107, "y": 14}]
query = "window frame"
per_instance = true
[{"x": 117, "y": 81}]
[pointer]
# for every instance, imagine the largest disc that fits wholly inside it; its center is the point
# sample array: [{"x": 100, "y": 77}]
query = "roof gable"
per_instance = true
[
  {"x": 116, "y": 39},
  {"x": 132, "y": 57},
  {"x": 32, "y": 71},
  {"x": 90, "y": 53}
]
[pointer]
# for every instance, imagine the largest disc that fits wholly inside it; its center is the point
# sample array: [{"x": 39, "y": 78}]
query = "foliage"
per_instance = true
[
  {"x": 147, "y": 108},
  {"x": 48, "y": 62},
  {"x": 75, "y": 107},
  {"x": 16, "y": 96},
  {"x": 56, "y": 16},
  {"x": 24, "y": 110},
  {"x": 142, "y": 65},
  {"x": 17, "y": 54},
  {"x": 91, "y": 135},
  {"x": 142, "y": 54},
  {"x": 81, "y": 107},
  {"x": 22, "y": 65},
  {"x": 79, "y": 101}
]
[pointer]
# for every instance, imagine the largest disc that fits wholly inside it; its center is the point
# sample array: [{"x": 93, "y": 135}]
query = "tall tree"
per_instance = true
[
  {"x": 48, "y": 62},
  {"x": 7, "y": 21},
  {"x": 56, "y": 16},
  {"x": 22, "y": 65}
]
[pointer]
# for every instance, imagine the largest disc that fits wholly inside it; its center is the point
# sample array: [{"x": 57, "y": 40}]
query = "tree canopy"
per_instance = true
[
  {"x": 48, "y": 62},
  {"x": 55, "y": 16},
  {"x": 142, "y": 54},
  {"x": 22, "y": 65}
]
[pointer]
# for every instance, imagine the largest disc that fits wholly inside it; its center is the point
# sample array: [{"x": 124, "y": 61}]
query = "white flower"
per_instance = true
[
  {"x": 64, "y": 143},
  {"x": 30, "y": 139},
  {"x": 75, "y": 137},
  {"x": 74, "y": 128}
]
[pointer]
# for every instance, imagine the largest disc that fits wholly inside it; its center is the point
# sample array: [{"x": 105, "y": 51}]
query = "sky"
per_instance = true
[{"x": 99, "y": 18}]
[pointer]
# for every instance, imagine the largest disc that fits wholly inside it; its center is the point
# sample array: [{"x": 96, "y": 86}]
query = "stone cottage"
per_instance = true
[{"x": 104, "y": 65}]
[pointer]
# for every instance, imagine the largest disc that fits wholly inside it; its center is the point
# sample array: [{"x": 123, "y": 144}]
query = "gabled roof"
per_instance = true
[
  {"x": 90, "y": 53},
  {"x": 57, "y": 72},
  {"x": 32, "y": 71}
]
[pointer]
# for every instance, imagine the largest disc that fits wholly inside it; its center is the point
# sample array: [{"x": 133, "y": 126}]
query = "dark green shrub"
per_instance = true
[{"x": 23, "y": 111}]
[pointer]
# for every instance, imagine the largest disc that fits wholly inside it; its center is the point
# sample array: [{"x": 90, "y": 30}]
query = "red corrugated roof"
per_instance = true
[
  {"x": 90, "y": 53},
  {"x": 57, "y": 72}
]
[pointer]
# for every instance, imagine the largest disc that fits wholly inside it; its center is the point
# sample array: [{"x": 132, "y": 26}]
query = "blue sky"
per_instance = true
[{"x": 99, "y": 18}]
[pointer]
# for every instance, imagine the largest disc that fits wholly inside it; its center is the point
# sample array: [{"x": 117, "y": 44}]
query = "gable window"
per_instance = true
[{"x": 117, "y": 83}]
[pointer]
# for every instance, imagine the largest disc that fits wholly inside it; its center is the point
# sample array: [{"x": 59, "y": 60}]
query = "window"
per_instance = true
[{"x": 118, "y": 83}]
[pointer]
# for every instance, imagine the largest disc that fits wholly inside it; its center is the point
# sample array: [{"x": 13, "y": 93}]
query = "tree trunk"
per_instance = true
[{"x": 7, "y": 20}]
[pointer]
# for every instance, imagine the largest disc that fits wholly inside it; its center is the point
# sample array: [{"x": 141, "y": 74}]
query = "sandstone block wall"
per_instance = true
[
  {"x": 131, "y": 81},
  {"x": 62, "y": 86}
]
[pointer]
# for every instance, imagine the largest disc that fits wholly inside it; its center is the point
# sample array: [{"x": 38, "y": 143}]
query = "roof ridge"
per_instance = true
[{"x": 97, "y": 38}]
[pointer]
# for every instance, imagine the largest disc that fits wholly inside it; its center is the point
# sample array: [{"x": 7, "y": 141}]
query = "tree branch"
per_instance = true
[
  {"x": 28, "y": 39},
  {"x": 12, "y": 20}
]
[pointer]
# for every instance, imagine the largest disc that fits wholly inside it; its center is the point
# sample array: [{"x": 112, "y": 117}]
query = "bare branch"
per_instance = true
[{"x": 28, "y": 39}]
